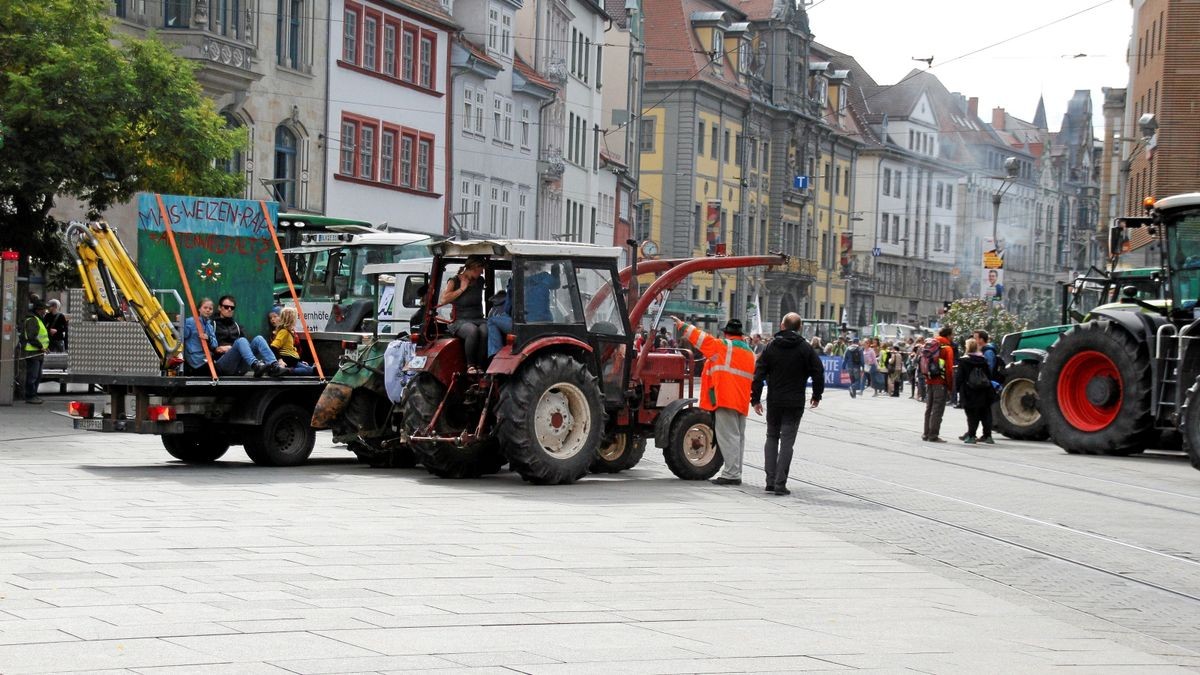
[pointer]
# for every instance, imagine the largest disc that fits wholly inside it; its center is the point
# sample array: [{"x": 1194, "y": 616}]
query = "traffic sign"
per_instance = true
[{"x": 876, "y": 251}]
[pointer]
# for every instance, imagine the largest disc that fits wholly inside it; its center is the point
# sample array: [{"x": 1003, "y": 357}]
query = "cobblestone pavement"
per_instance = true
[{"x": 891, "y": 556}]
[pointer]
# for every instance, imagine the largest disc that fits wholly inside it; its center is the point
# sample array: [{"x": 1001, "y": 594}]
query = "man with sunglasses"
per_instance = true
[{"x": 228, "y": 329}]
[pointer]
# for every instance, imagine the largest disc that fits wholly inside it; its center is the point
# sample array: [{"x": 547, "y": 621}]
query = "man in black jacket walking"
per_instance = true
[{"x": 785, "y": 365}]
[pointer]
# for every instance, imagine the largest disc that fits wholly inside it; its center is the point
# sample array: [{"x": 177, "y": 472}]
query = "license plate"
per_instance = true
[
  {"x": 416, "y": 363},
  {"x": 91, "y": 424}
]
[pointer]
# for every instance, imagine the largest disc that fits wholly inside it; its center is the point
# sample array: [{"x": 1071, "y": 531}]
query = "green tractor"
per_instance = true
[
  {"x": 1115, "y": 383},
  {"x": 1015, "y": 412}
]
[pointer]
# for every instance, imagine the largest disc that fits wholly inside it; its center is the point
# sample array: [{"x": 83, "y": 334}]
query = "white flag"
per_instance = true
[{"x": 755, "y": 317}]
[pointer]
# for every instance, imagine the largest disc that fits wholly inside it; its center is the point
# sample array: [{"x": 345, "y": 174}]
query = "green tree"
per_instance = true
[
  {"x": 95, "y": 116},
  {"x": 970, "y": 314}
]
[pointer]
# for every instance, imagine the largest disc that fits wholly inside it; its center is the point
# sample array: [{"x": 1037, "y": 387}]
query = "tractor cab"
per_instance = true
[{"x": 549, "y": 295}]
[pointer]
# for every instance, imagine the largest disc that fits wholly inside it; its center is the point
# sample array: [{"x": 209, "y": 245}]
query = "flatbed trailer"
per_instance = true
[{"x": 199, "y": 418}]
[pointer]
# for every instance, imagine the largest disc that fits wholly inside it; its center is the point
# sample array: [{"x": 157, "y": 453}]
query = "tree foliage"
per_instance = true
[
  {"x": 96, "y": 116},
  {"x": 971, "y": 314}
]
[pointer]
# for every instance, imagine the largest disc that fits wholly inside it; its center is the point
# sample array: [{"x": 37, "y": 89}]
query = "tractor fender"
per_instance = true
[
  {"x": 442, "y": 358},
  {"x": 1140, "y": 325},
  {"x": 505, "y": 362},
  {"x": 1028, "y": 354},
  {"x": 662, "y": 425}
]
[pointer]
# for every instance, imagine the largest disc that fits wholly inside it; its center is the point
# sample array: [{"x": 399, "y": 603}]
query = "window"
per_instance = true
[
  {"x": 525, "y": 113},
  {"x": 406, "y": 159},
  {"x": 895, "y": 229},
  {"x": 494, "y": 210},
  {"x": 424, "y": 161},
  {"x": 480, "y": 95},
  {"x": 599, "y": 65},
  {"x": 366, "y": 152},
  {"x": 949, "y": 195},
  {"x": 406, "y": 54},
  {"x": 587, "y": 59},
  {"x": 223, "y": 17},
  {"x": 426, "y": 62},
  {"x": 522, "y": 210},
  {"x": 938, "y": 201},
  {"x": 389, "y": 51},
  {"x": 837, "y": 177},
  {"x": 703, "y": 129},
  {"x": 753, "y": 154},
  {"x": 718, "y": 48},
  {"x": 825, "y": 177},
  {"x": 766, "y": 157},
  {"x": 349, "y": 136},
  {"x": 493, "y": 34},
  {"x": 387, "y": 150},
  {"x": 504, "y": 202},
  {"x": 887, "y": 181},
  {"x": 468, "y": 109},
  {"x": 508, "y": 122},
  {"x": 350, "y": 36},
  {"x": 712, "y": 143},
  {"x": 506, "y": 26},
  {"x": 464, "y": 203},
  {"x": 285, "y": 166},
  {"x": 236, "y": 163},
  {"x": 725, "y": 147},
  {"x": 177, "y": 13},
  {"x": 370, "y": 37},
  {"x": 646, "y": 129},
  {"x": 497, "y": 102}
]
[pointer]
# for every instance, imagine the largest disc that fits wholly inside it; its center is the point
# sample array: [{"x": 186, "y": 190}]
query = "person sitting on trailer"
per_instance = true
[
  {"x": 284, "y": 340},
  {"x": 242, "y": 355}
]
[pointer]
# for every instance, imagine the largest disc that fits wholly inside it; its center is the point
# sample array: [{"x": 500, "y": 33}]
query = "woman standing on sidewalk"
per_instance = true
[
  {"x": 871, "y": 359},
  {"x": 975, "y": 392}
]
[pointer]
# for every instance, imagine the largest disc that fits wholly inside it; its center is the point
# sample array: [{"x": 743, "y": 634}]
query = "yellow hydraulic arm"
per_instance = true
[{"x": 108, "y": 274}]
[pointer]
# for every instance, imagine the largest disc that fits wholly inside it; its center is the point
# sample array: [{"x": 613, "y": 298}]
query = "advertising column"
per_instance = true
[{"x": 992, "y": 286}]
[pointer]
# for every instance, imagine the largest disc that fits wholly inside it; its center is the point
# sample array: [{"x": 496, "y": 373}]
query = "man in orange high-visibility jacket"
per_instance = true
[{"x": 725, "y": 390}]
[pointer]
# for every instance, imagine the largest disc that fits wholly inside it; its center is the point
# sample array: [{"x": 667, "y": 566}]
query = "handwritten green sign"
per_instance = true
[{"x": 225, "y": 247}]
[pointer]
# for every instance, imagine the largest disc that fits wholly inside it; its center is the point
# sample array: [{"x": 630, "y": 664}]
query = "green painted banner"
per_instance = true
[{"x": 225, "y": 247}]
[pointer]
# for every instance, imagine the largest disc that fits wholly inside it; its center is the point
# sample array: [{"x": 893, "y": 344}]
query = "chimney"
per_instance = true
[
  {"x": 998, "y": 119},
  {"x": 973, "y": 106}
]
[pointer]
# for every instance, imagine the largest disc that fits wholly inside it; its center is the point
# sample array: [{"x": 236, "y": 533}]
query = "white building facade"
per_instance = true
[
  {"x": 388, "y": 113},
  {"x": 495, "y": 130}
]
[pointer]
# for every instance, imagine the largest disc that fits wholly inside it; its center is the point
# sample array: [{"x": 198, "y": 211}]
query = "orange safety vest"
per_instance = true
[{"x": 728, "y": 371}]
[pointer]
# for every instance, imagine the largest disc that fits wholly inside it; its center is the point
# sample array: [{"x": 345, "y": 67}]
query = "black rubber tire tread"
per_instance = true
[
  {"x": 1016, "y": 372},
  {"x": 421, "y": 399},
  {"x": 194, "y": 449},
  {"x": 1189, "y": 424},
  {"x": 635, "y": 448},
  {"x": 1133, "y": 427},
  {"x": 288, "y": 422},
  {"x": 674, "y": 454},
  {"x": 518, "y": 402}
]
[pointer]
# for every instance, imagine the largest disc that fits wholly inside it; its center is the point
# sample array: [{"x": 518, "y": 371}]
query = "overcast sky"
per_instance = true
[{"x": 885, "y": 35}]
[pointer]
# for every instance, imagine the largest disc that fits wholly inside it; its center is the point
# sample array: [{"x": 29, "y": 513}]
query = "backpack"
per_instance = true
[
  {"x": 998, "y": 362},
  {"x": 930, "y": 362},
  {"x": 978, "y": 379},
  {"x": 854, "y": 356}
]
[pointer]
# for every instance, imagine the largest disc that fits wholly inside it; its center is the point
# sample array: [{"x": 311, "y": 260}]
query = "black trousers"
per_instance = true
[
  {"x": 782, "y": 424},
  {"x": 977, "y": 414}
]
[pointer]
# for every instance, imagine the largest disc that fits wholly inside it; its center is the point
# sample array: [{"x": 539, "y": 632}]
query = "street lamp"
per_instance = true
[{"x": 1011, "y": 169}]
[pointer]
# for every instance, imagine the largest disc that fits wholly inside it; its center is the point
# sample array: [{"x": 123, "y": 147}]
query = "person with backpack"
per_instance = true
[
  {"x": 937, "y": 367},
  {"x": 852, "y": 363},
  {"x": 976, "y": 393},
  {"x": 895, "y": 369},
  {"x": 871, "y": 364},
  {"x": 995, "y": 363}
]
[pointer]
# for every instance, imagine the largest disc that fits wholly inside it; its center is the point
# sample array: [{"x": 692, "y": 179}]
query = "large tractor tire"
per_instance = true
[
  {"x": 284, "y": 438},
  {"x": 1015, "y": 412},
  {"x": 194, "y": 449},
  {"x": 691, "y": 452},
  {"x": 445, "y": 460},
  {"x": 551, "y": 420},
  {"x": 623, "y": 453},
  {"x": 1094, "y": 391},
  {"x": 1189, "y": 424}
]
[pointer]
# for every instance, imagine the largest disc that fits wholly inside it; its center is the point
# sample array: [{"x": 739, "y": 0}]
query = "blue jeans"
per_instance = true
[
  {"x": 33, "y": 374},
  {"x": 497, "y": 327},
  {"x": 243, "y": 354},
  {"x": 856, "y": 380}
]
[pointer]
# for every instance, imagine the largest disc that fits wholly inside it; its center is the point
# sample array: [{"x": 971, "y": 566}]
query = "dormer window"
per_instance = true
[{"x": 718, "y": 47}]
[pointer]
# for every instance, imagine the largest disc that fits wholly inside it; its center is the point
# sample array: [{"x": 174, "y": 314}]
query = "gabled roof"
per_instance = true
[
  {"x": 674, "y": 52},
  {"x": 526, "y": 71}
]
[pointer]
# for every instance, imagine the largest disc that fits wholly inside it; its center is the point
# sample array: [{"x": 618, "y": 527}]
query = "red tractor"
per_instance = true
[{"x": 566, "y": 393}]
